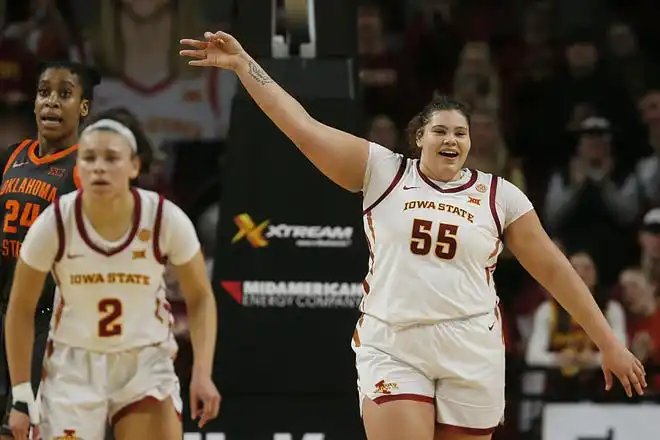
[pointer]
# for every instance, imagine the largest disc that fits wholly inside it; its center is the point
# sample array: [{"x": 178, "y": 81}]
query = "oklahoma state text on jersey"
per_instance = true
[
  {"x": 433, "y": 245},
  {"x": 29, "y": 184}
]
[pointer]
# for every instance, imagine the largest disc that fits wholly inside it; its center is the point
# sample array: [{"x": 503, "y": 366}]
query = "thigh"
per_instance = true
[
  {"x": 145, "y": 376},
  {"x": 470, "y": 392},
  {"x": 150, "y": 419},
  {"x": 398, "y": 419},
  {"x": 396, "y": 399},
  {"x": 73, "y": 400}
]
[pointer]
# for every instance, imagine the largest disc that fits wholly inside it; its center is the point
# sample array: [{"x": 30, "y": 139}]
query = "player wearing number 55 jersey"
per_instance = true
[{"x": 429, "y": 353}]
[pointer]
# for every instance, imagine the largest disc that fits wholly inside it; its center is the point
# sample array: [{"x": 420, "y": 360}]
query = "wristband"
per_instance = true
[{"x": 23, "y": 401}]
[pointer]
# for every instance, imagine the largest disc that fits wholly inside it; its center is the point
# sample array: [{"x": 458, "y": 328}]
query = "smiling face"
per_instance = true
[{"x": 445, "y": 144}]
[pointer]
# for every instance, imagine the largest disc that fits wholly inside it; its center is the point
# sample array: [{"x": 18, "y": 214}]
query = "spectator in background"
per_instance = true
[
  {"x": 644, "y": 184},
  {"x": 383, "y": 131},
  {"x": 585, "y": 89},
  {"x": 584, "y": 200},
  {"x": 378, "y": 63},
  {"x": 628, "y": 61},
  {"x": 18, "y": 66},
  {"x": 432, "y": 44},
  {"x": 49, "y": 30},
  {"x": 489, "y": 152},
  {"x": 16, "y": 124},
  {"x": 476, "y": 79},
  {"x": 643, "y": 321},
  {"x": 135, "y": 46},
  {"x": 649, "y": 242},
  {"x": 557, "y": 342}
]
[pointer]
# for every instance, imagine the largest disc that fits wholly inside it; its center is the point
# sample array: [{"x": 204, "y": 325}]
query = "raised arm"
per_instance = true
[{"x": 341, "y": 156}]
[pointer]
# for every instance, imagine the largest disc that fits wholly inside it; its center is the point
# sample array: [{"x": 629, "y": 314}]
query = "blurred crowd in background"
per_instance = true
[{"x": 566, "y": 105}]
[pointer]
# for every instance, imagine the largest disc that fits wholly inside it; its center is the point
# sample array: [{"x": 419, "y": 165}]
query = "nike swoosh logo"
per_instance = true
[
  {"x": 72, "y": 256},
  {"x": 18, "y": 164},
  {"x": 490, "y": 327},
  {"x": 406, "y": 188}
]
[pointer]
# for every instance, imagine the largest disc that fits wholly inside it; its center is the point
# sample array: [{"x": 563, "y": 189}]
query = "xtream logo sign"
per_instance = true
[
  {"x": 276, "y": 436},
  {"x": 259, "y": 235}
]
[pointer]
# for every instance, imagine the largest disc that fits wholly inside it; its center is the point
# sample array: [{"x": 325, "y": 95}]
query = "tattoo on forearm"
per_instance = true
[{"x": 258, "y": 73}]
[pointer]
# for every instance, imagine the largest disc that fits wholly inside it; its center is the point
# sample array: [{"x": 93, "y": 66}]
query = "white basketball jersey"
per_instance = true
[
  {"x": 110, "y": 298},
  {"x": 433, "y": 251},
  {"x": 178, "y": 109}
]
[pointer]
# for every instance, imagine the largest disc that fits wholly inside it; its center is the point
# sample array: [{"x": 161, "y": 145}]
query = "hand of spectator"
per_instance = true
[
  {"x": 619, "y": 362},
  {"x": 642, "y": 345},
  {"x": 587, "y": 358},
  {"x": 567, "y": 358},
  {"x": 219, "y": 50}
]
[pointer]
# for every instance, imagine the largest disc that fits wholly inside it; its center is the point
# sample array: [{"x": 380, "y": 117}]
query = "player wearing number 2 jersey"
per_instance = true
[
  {"x": 34, "y": 174},
  {"x": 429, "y": 353},
  {"x": 111, "y": 349}
]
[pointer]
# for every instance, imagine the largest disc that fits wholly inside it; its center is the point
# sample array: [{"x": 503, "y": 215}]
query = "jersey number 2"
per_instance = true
[
  {"x": 421, "y": 239},
  {"x": 28, "y": 214},
  {"x": 111, "y": 310}
]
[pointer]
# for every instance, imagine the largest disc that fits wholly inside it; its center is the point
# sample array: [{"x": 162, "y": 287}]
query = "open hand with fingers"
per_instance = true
[
  {"x": 619, "y": 362},
  {"x": 217, "y": 50}
]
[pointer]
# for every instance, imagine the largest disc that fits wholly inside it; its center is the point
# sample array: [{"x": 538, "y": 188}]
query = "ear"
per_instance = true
[
  {"x": 137, "y": 164},
  {"x": 418, "y": 137},
  {"x": 84, "y": 108}
]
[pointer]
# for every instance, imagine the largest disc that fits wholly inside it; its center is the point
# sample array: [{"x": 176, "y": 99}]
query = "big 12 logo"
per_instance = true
[{"x": 276, "y": 436}]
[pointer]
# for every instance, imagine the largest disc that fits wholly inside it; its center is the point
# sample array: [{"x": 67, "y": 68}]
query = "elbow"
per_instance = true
[
  {"x": 200, "y": 300},
  {"x": 304, "y": 131}
]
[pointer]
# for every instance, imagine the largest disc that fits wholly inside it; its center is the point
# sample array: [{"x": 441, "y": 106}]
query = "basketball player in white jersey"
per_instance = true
[
  {"x": 111, "y": 349},
  {"x": 429, "y": 350}
]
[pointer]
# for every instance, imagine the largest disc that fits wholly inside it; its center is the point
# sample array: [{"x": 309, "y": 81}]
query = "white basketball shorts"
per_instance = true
[
  {"x": 82, "y": 391},
  {"x": 456, "y": 365}
]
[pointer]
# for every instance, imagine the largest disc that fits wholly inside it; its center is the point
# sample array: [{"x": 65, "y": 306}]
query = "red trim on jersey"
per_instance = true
[
  {"x": 137, "y": 213},
  {"x": 395, "y": 182},
  {"x": 18, "y": 149},
  {"x": 60, "y": 229},
  {"x": 432, "y": 184},
  {"x": 32, "y": 154},
  {"x": 157, "y": 228},
  {"x": 493, "y": 205},
  {"x": 466, "y": 430},
  {"x": 414, "y": 397}
]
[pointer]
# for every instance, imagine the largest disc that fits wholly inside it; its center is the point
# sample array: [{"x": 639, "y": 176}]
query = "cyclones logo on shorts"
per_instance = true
[
  {"x": 383, "y": 387},
  {"x": 69, "y": 434}
]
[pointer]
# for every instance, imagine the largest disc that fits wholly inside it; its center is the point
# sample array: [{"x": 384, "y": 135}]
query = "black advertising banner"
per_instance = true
[
  {"x": 332, "y": 417},
  {"x": 290, "y": 262}
]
